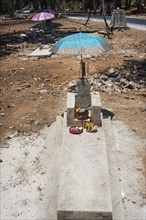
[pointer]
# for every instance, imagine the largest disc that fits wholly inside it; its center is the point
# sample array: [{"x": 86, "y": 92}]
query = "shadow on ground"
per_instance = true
[{"x": 106, "y": 113}]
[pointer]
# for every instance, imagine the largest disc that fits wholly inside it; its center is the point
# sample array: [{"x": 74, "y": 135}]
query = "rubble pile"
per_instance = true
[{"x": 128, "y": 78}]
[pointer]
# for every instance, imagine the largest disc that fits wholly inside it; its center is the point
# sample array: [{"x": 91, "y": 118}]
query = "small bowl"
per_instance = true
[{"x": 76, "y": 130}]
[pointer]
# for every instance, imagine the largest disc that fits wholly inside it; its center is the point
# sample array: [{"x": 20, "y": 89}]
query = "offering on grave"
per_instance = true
[
  {"x": 76, "y": 130},
  {"x": 81, "y": 113},
  {"x": 90, "y": 127}
]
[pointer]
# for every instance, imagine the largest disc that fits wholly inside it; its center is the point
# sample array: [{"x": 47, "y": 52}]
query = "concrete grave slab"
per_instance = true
[
  {"x": 84, "y": 187},
  {"x": 43, "y": 51}
]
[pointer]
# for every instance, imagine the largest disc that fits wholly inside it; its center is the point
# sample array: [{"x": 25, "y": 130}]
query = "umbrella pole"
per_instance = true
[
  {"x": 44, "y": 26},
  {"x": 87, "y": 69},
  {"x": 83, "y": 68},
  {"x": 81, "y": 65}
]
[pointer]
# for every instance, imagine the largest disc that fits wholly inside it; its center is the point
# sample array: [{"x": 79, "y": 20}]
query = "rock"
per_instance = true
[
  {"x": 125, "y": 90},
  {"x": 104, "y": 77},
  {"x": 96, "y": 86},
  {"x": 13, "y": 70},
  {"x": 42, "y": 85},
  {"x": 117, "y": 91},
  {"x": 27, "y": 85},
  {"x": 43, "y": 91},
  {"x": 137, "y": 86},
  {"x": 131, "y": 85},
  {"x": 11, "y": 105},
  {"x": 2, "y": 114},
  {"x": 111, "y": 71},
  {"x": 142, "y": 82},
  {"x": 139, "y": 169},
  {"x": 4, "y": 146},
  {"x": 18, "y": 89},
  {"x": 144, "y": 109},
  {"x": 135, "y": 67},
  {"x": 134, "y": 71},
  {"x": 72, "y": 88},
  {"x": 39, "y": 188},
  {"x": 8, "y": 138},
  {"x": 69, "y": 68},
  {"x": 37, "y": 122},
  {"x": 1, "y": 160},
  {"x": 11, "y": 127},
  {"x": 24, "y": 59},
  {"x": 30, "y": 121},
  {"x": 124, "y": 82},
  {"x": 117, "y": 76},
  {"x": 127, "y": 97}
]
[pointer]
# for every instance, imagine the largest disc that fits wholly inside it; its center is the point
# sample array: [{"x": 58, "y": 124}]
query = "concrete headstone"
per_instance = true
[
  {"x": 83, "y": 87},
  {"x": 118, "y": 19}
]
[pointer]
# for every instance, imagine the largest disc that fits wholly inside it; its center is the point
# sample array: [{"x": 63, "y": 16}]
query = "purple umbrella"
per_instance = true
[{"x": 42, "y": 16}]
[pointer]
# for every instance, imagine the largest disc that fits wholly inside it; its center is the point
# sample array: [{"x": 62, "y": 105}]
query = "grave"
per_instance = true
[
  {"x": 42, "y": 51},
  {"x": 83, "y": 99},
  {"x": 118, "y": 19},
  {"x": 84, "y": 185}
]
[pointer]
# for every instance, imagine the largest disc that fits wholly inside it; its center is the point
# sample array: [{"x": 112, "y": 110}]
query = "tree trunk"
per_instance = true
[
  {"x": 1, "y": 8},
  {"x": 52, "y": 4},
  {"x": 139, "y": 6},
  {"x": 88, "y": 16},
  {"x": 129, "y": 4},
  {"x": 108, "y": 29},
  {"x": 43, "y": 4},
  {"x": 126, "y": 4},
  {"x": 11, "y": 8},
  {"x": 94, "y": 7}
]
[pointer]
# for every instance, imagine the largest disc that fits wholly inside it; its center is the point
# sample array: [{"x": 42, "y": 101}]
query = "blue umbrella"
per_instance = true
[{"x": 81, "y": 43}]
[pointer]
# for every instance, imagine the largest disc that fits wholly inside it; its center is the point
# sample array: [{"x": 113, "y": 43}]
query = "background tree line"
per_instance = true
[{"x": 72, "y": 5}]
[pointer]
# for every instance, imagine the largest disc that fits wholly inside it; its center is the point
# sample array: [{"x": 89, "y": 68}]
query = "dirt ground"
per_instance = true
[{"x": 33, "y": 90}]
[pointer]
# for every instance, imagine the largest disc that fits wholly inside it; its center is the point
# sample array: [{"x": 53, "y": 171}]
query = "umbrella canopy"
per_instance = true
[
  {"x": 42, "y": 16},
  {"x": 81, "y": 43}
]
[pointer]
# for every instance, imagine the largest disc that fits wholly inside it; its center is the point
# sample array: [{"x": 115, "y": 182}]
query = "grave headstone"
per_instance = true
[
  {"x": 83, "y": 87},
  {"x": 118, "y": 19}
]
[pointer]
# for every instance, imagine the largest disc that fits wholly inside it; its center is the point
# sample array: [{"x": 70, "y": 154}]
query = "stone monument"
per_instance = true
[
  {"x": 83, "y": 99},
  {"x": 118, "y": 19}
]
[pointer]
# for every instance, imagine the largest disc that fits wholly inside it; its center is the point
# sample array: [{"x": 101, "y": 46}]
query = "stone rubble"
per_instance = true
[{"x": 118, "y": 80}]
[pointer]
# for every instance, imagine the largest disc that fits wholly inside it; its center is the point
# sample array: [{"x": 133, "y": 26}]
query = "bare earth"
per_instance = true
[{"x": 33, "y": 91}]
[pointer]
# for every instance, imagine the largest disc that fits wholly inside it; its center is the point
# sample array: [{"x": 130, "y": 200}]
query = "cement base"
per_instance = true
[{"x": 84, "y": 185}]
